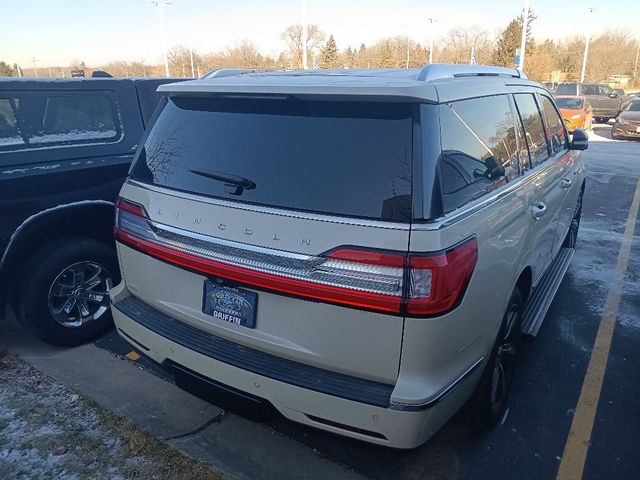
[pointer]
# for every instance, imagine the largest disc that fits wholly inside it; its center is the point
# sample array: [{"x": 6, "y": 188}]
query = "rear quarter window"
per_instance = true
[
  {"x": 343, "y": 158},
  {"x": 56, "y": 118},
  {"x": 479, "y": 148},
  {"x": 10, "y": 134}
]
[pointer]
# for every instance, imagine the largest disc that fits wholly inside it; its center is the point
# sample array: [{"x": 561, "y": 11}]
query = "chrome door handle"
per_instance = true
[
  {"x": 538, "y": 210},
  {"x": 565, "y": 183}
]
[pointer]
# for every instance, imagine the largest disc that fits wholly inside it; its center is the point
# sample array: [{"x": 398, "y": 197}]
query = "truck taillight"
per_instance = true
[{"x": 415, "y": 284}]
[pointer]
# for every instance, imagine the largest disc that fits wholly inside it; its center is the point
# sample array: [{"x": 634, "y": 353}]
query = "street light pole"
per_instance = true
[
  {"x": 35, "y": 67},
  {"x": 431, "y": 22},
  {"x": 586, "y": 48},
  {"x": 160, "y": 5},
  {"x": 407, "y": 39},
  {"x": 523, "y": 38},
  {"x": 635, "y": 66},
  {"x": 305, "y": 32}
]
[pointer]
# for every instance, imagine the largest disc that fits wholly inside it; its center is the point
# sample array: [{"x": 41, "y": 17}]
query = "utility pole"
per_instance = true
[
  {"x": 160, "y": 4},
  {"x": 193, "y": 71},
  {"x": 305, "y": 32},
  {"x": 431, "y": 22},
  {"x": 523, "y": 38},
  {"x": 586, "y": 46},
  {"x": 35, "y": 67}
]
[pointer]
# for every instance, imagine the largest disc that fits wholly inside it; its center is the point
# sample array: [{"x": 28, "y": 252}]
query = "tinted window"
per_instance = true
[
  {"x": 82, "y": 117},
  {"x": 590, "y": 90},
  {"x": 479, "y": 148},
  {"x": 534, "y": 129},
  {"x": 567, "y": 89},
  {"x": 330, "y": 157},
  {"x": 555, "y": 126},
  {"x": 10, "y": 135},
  {"x": 569, "y": 103}
]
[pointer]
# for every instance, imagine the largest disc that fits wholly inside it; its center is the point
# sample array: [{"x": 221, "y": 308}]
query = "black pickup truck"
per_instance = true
[{"x": 65, "y": 149}]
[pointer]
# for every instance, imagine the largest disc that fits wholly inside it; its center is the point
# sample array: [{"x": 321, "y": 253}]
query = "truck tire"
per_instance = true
[
  {"x": 489, "y": 401},
  {"x": 63, "y": 291}
]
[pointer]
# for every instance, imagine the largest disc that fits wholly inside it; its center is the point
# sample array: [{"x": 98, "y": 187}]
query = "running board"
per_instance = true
[{"x": 541, "y": 298}]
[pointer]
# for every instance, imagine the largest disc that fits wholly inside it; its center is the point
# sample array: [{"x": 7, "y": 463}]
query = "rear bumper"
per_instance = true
[
  {"x": 626, "y": 130},
  {"x": 327, "y": 400}
]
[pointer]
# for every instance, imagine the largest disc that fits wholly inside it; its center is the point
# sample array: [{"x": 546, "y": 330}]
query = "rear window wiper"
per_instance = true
[{"x": 238, "y": 183}]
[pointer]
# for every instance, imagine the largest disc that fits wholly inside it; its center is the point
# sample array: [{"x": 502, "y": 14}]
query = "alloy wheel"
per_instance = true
[{"x": 79, "y": 295}]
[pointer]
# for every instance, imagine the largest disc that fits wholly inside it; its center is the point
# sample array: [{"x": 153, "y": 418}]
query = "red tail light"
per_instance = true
[{"x": 397, "y": 283}]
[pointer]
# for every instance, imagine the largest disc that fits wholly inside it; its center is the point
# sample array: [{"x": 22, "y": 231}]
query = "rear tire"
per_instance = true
[
  {"x": 62, "y": 291},
  {"x": 489, "y": 401}
]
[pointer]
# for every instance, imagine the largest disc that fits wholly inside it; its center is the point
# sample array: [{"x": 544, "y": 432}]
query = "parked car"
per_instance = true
[
  {"x": 605, "y": 101},
  {"x": 65, "y": 149},
  {"x": 576, "y": 112},
  {"x": 363, "y": 251},
  {"x": 627, "y": 125}
]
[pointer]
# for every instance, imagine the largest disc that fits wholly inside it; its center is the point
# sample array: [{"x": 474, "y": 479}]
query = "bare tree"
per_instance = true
[{"x": 292, "y": 36}]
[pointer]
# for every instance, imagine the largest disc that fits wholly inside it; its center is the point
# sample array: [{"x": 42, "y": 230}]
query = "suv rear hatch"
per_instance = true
[{"x": 303, "y": 205}]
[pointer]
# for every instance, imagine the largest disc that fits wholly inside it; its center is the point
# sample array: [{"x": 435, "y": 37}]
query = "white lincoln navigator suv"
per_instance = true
[{"x": 362, "y": 249}]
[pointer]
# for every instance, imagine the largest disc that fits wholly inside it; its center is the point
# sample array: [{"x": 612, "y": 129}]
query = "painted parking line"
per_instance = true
[{"x": 579, "y": 438}]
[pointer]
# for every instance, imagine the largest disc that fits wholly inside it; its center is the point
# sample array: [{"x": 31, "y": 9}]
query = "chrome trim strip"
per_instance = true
[
  {"x": 483, "y": 202},
  {"x": 414, "y": 407},
  {"x": 360, "y": 222}
]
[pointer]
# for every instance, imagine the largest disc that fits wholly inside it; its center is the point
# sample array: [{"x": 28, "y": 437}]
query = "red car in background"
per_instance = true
[{"x": 576, "y": 112}]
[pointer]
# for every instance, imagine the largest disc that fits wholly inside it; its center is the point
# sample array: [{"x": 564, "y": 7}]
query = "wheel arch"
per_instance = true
[{"x": 89, "y": 219}]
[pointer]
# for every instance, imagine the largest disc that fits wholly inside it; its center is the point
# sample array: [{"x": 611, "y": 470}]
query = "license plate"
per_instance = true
[{"x": 230, "y": 304}]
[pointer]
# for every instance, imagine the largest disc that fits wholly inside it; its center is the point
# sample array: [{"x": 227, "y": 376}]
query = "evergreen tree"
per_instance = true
[
  {"x": 509, "y": 41},
  {"x": 6, "y": 70},
  {"x": 385, "y": 56},
  {"x": 329, "y": 55}
]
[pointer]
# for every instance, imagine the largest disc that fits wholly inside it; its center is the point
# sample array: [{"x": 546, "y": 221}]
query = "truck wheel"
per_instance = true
[
  {"x": 63, "y": 291},
  {"x": 489, "y": 401}
]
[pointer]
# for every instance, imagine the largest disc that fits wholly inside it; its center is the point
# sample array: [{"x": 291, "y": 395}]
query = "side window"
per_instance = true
[
  {"x": 479, "y": 148},
  {"x": 10, "y": 135},
  {"x": 533, "y": 127},
  {"x": 605, "y": 90},
  {"x": 57, "y": 118},
  {"x": 590, "y": 90},
  {"x": 556, "y": 133}
]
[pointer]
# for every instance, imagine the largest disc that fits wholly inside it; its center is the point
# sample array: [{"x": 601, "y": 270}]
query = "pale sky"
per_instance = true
[{"x": 59, "y": 31}]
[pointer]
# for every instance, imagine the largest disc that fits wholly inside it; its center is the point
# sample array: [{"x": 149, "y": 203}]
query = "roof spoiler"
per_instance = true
[{"x": 437, "y": 71}]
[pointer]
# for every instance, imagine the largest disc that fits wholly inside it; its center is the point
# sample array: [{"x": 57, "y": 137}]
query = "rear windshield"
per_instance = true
[
  {"x": 569, "y": 103},
  {"x": 633, "y": 107},
  {"x": 344, "y": 158},
  {"x": 566, "y": 89}
]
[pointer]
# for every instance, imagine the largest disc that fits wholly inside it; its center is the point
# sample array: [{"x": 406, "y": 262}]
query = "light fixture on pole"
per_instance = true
[
  {"x": 523, "y": 37},
  {"x": 160, "y": 4},
  {"x": 586, "y": 46},
  {"x": 431, "y": 22}
]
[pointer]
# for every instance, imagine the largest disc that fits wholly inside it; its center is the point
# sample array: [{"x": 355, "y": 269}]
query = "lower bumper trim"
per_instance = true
[{"x": 277, "y": 368}]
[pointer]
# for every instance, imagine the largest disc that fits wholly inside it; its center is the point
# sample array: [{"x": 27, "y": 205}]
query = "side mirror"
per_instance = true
[
  {"x": 613, "y": 95},
  {"x": 580, "y": 140}
]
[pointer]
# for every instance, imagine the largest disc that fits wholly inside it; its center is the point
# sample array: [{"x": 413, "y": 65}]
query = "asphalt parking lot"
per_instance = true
[{"x": 549, "y": 390}]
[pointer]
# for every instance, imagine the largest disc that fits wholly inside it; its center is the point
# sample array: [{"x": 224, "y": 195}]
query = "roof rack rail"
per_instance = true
[
  {"x": 230, "y": 72},
  {"x": 436, "y": 71}
]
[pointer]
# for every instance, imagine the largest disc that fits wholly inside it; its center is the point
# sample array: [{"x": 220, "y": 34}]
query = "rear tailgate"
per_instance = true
[{"x": 274, "y": 184}]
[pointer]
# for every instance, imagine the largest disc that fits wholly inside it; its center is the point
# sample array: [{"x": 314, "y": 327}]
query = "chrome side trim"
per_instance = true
[
  {"x": 414, "y": 407},
  {"x": 360, "y": 222}
]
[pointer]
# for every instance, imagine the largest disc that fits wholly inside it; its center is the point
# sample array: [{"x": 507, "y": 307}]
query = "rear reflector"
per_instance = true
[{"x": 389, "y": 282}]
